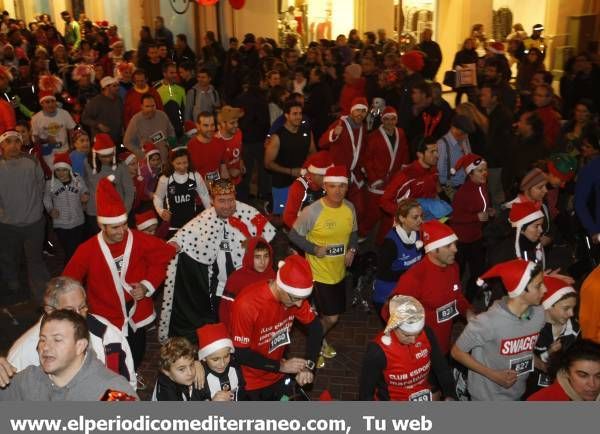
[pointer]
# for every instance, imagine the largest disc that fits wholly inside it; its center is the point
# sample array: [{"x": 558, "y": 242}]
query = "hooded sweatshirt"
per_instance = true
[{"x": 244, "y": 277}]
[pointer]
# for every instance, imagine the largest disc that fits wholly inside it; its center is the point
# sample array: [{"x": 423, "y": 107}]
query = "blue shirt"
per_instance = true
[
  {"x": 456, "y": 151},
  {"x": 77, "y": 162}
]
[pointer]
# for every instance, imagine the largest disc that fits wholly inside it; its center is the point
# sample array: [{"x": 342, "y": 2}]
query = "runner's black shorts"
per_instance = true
[{"x": 330, "y": 299}]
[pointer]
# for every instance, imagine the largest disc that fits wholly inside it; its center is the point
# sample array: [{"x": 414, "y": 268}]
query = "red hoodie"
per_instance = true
[{"x": 244, "y": 277}]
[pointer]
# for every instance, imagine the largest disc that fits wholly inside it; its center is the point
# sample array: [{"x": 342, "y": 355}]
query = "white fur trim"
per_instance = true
[
  {"x": 146, "y": 224},
  {"x": 386, "y": 340},
  {"x": 413, "y": 327},
  {"x": 528, "y": 219},
  {"x": 318, "y": 170},
  {"x": 152, "y": 152},
  {"x": 549, "y": 302},
  {"x": 341, "y": 179},
  {"x": 525, "y": 278},
  {"x": 62, "y": 165},
  {"x": 8, "y": 134},
  {"x": 111, "y": 177},
  {"x": 106, "y": 151},
  {"x": 359, "y": 107},
  {"x": 47, "y": 97},
  {"x": 112, "y": 220},
  {"x": 390, "y": 115},
  {"x": 440, "y": 243},
  {"x": 297, "y": 292},
  {"x": 151, "y": 288},
  {"x": 206, "y": 351},
  {"x": 129, "y": 159}
]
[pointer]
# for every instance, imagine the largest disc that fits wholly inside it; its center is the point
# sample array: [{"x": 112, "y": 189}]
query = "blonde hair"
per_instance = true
[{"x": 471, "y": 111}]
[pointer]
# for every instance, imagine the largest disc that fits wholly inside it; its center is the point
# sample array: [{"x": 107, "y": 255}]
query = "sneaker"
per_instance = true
[
  {"x": 320, "y": 362},
  {"x": 141, "y": 382},
  {"x": 328, "y": 351}
]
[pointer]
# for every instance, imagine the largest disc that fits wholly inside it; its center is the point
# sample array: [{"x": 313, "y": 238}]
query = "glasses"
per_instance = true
[
  {"x": 294, "y": 299},
  {"x": 80, "y": 310}
]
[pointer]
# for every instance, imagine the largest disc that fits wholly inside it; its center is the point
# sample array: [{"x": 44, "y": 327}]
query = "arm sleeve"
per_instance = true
[
  {"x": 304, "y": 223},
  {"x": 442, "y": 161},
  {"x": 388, "y": 200},
  {"x": 77, "y": 267},
  {"x": 159, "y": 195},
  {"x": 157, "y": 255},
  {"x": 440, "y": 367},
  {"x": 372, "y": 372},
  {"x": 126, "y": 183},
  {"x": 293, "y": 204},
  {"x": 302, "y": 242},
  {"x": 129, "y": 139},
  {"x": 314, "y": 340},
  {"x": 48, "y": 197},
  {"x": 202, "y": 191},
  {"x": 246, "y": 356},
  {"x": 583, "y": 189},
  {"x": 475, "y": 334}
]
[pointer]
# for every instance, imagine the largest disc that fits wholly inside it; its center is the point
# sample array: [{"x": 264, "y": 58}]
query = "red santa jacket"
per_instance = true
[
  {"x": 139, "y": 258},
  {"x": 554, "y": 392},
  {"x": 469, "y": 200},
  {"x": 439, "y": 291},
  {"x": 347, "y": 147},
  {"x": 382, "y": 158},
  {"x": 551, "y": 120},
  {"x": 413, "y": 181}
]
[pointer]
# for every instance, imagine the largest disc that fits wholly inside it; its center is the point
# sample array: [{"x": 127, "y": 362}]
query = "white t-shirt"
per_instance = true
[{"x": 43, "y": 125}]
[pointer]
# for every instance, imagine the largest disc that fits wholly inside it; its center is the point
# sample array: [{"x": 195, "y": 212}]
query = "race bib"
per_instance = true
[
  {"x": 335, "y": 250},
  {"x": 522, "y": 365},
  {"x": 544, "y": 380},
  {"x": 212, "y": 176},
  {"x": 421, "y": 395},
  {"x": 279, "y": 339},
  {"x": 446, "y": 312},
  {"x": 225, "y": 246},
  {"x": 158, "y": 137}
]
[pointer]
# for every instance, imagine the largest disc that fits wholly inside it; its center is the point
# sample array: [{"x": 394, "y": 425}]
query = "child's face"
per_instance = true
[
  {"x": 82, "y": 144},
  {"x": 62, "y": 174},
  {"x": 181, "y": 164},
  {"x": 219, "y": 360},
  {"x": 155, "y": 161},
  {"x": 132, "y": 167},
  {"x": 261, "y": 260},
  {"x": 182, "y": 371}
]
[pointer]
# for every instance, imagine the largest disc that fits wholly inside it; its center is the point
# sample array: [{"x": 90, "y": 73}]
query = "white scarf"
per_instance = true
[{"x": 404, "y": 237}]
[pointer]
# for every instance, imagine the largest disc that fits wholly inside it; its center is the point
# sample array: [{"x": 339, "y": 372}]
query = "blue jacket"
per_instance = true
[{"x": 587, "y": 196}]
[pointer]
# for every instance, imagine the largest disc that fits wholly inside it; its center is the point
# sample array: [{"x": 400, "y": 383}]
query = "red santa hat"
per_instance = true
[
  {"x": 62, "y": 160},
  {"x": 190, "y": 128},
  {"x": 336, "y": 174},
  {"x": 515, "y": 275},
  {"x": 318, "y": 163},
  {"x": 435, "y": 234},
  {"x": 521, "y": 214},
  {"x": 5, "y": 73},
  {"x": 469, "y": 162},
  {"x": 359, "y": 103},
  {"x": 413, "y": 60},
  {"x": 127, "y": 158},
  {"x": 145, "y": 219},
  {"x": 496, "y": 47},
  {"x": 150, "y": 149},
  {"x": 555, "y": 290},
  {"x": 81, "y": 70},
  {"x": 212, "y": 338},
  {"x": 103, "y": 145},
  {"x": 110, "y": 209},
  {"x": 123, "y": 67},
  {"x": 389, "y": 111},
  {"x": 295, "y": 276},
  {"x": 49, "y": 86}
]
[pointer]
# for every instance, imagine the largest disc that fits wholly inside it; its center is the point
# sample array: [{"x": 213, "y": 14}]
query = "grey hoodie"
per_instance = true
[
  {"x": 500, "y": 340},
  {"x": 89, "y": 384}
]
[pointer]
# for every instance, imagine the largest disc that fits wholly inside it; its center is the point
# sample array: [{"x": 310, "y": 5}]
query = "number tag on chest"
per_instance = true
[
  {"x": 212, "y": 176},
  {"x": 279, "y": 339},
  {"x": 335, "y": 250},
  {"x": 225, "y": 246},
  {"x": 544, "y": 380},
  {"x": 421, "y": 395},
  {"x": 522, "y": 365},
  {"x": 446, "y": 312},
  {"x": 157, "y": 137}
]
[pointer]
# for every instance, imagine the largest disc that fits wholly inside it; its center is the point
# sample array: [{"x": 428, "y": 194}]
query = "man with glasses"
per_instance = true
[
  {"x": 107, "y": 341},
  {"x": 104, "y": 113},
  {"x": 261, "y": 321}
]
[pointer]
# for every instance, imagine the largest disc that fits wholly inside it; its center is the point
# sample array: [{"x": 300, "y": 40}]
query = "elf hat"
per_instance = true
[
  {"x": 336, "y": 174},
  {"x": 110, "y": 208},
  {"x": 103, "y": 145},
  {"x": 145, "y": 219},
  {"x": 469, "y": 162},
  {"x": 295, "y": 276},
  {"x": 212, "y": 338},
  {"x": 515, "y": 275},
  {"x": 318, "y": 163},
  {"x": 359, "y": 103},
  {"x": 435, "y": 234},
  {"x": 555, "y": 290},
  {"x": 407, "y": 314},
  {"x": 389, "y": 112},
  {"x": 521, "y": 214}
]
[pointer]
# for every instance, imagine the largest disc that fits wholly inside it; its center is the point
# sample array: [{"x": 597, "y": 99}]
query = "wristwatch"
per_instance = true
[{"x": 310, "y": 365}]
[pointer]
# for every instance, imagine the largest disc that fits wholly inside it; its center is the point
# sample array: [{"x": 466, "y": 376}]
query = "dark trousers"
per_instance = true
[
  {"x": 70, "y": 239},
  {"x": 91, "y": 226},
  {"x": 274, "y": 392},
  {"x": 471, "y": 255},
  {"x": 137, "y": 344},
  {"x": 253, "y": 154}
]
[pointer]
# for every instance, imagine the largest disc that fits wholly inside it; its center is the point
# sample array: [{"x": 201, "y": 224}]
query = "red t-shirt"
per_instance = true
[
  {"x": 261, "y": 323},
  {"x": 232, "y": 152},
  {"x": 206, "y": 157}
]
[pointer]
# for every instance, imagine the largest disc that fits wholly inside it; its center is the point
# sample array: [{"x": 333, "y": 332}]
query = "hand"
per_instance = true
[
  {"x": 491, "y": 212},
  {"x": 85, "y": 198},
  {"x": 337, "y": 130},
  {"x": 555, "y": 346},
  {"x": 483, "y": 216},
  {"x": 103, "y": 128},
  {"x": 7, "y": 371},
  {"x": 165, "y": 214},
  {"x": 138, "y": 291},
  {"x": 349, "y": 257},
  {"x": 223, "y": 395},
  {"x": 54, "y": 213},
  {"x": 545, "y": 240},
  {"x": 296, "y": 171},
  {"x": 304, "y": 377},
  {"x": 320, "y": 251},
  {"x": 505, "y": 378},
  {"x": 200, "y": 375},
  {"x": 292, "y": 366}
]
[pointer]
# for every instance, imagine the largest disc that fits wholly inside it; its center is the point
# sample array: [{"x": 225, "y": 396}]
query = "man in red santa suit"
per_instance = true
[
  {"x": 346, "y": 140},
  {"x": 386, "y": 153},
  {"x": 417, "y": 180},
  {"x": 121, "y": 269}
]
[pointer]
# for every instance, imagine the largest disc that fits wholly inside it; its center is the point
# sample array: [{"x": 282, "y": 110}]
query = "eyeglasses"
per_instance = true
[
  {"x": 80, "y": 310},
  {"x": 294, "y": 299}
]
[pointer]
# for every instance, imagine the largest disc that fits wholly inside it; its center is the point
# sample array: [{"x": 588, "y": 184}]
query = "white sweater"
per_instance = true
[{"x": 67, "y": 200}]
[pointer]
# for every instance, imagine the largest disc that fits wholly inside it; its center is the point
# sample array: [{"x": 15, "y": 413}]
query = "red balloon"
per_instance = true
[
  {"x": 207, "y": 2},
  {"x": 237, "y": 4}
]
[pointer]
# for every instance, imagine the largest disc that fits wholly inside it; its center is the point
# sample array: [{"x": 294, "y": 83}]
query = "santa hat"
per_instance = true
[
  {"x": 5, "y": 72},
  {"x": 145, "y": 220},
  {"x": 127, "y": 158},
  {"x": 496, "y": 47},
  {"x": 521, "y": 214},
  {"x": 81, "y": 70},
  {"x": 359, "y": 103},
  {"x": 190, "y": 128},
  {"x": 435, "y": 234},
  {"x": 211, "y": 338},
  {"x": 555, "y": 290},
  {"x": 515, "y": 275},
  {"x": 295, "y": 276},
  {"x": 318, "y": 163},
  {"x": 49, "y": 85},
  {"x": 122, "y": 67},
  {"x": 389, "y": 111},
  {"x": 110, "y": 209},
  {"x": 336, "y": 174},
  {"x": 149, "y": 150},
  {"x": 62, "y": 160},
  {"x": 413, "y": 60},
  {"x": 103, "y": 145},
  {"x": 10, "y": 133},
  {"x": 469, "y": 162}
]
